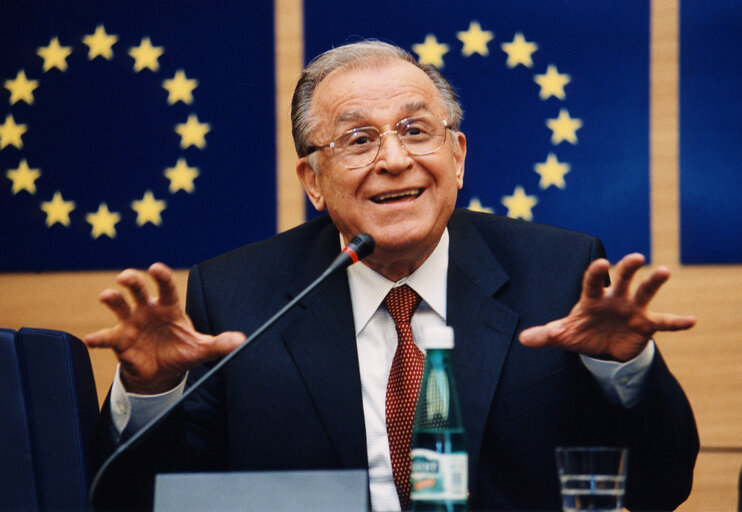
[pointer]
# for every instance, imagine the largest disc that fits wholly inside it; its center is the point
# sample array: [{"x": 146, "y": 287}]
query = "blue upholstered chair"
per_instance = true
[{"x": 48, "y": 406}]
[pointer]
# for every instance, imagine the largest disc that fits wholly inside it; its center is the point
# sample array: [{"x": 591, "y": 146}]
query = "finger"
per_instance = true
[
  {"x": 649, "y": 287},
  {"x": 542, "y": 335},
  {"x": 670, "y": 322},
  {"x": 225, "y": 343},
  {"x": 593, "y": 283},
  {"x": 105, "y": 338},
  {"x": 625, "y": 271},
  {"x": 166, "y": 289},
  {"x": 132, "y": 280},
  {"x": 116, "y": 302}
]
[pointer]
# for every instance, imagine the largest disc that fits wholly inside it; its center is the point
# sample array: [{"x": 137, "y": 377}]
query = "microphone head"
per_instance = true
[{"x": 362, "y": 245}]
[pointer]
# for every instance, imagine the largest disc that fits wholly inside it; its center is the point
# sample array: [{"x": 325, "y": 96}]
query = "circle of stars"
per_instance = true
[
  {"x": 551, "y": 83},
  {"x": 148, "y": 208}
]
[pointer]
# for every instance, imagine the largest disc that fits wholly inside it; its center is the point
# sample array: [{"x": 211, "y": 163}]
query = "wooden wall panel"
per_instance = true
[
  {"x": 715, "y": 483},
  {"x": 289, "y": 61}
]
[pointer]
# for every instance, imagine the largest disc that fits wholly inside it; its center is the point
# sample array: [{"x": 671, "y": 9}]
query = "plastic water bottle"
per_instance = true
[{"x": 439, "y": 460}]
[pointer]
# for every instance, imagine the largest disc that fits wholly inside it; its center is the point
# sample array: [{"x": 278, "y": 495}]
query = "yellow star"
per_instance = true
[
  {"x": 100, "y": 43},
  {"x": 519, "y": 51},
  {"x": 54, "y": 55},
  {"x": 181, "y": 176},
  {"x": 148, "y": 209},
  {"x": 475, "y": 205},
  {"x": 180, "y": 88},
  {"x": 475, "y": 40},
  {"x": 145, "y": 55},
  {"x": 57, "y": 210},
  {"x": 552, "y": 172},
  {"x": 23, "y": 178},
  {"x": 564, "y": 128},
  {"x": 103, "y": 222},
  {"x": 10, "y": 133},
  {"x": 552, "y": 83},
  {"x": 519, "y": 205},
  {"x": 21, "y": 89},
  {"x": 431, "y": 51},
  {"x": 192, "y": 133}
]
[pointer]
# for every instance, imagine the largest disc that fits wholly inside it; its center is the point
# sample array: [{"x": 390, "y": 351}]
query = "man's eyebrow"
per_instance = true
[
  {"x": 351, "y": 115},
  {"x": 406, "y": 110},
  {"x": 415, "y": 107}
]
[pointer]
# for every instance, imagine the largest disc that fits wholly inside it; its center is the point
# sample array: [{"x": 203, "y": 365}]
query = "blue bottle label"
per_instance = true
[{"x": 438, "y": 476}]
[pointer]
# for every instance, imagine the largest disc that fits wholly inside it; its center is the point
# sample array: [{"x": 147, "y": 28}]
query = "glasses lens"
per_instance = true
[
  {"x": 357, "y": 147},
  {"x": 421, "y": 135}
]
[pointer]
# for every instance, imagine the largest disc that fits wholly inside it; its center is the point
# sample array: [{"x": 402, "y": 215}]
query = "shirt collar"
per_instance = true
[{"x": 368, "y": 288}]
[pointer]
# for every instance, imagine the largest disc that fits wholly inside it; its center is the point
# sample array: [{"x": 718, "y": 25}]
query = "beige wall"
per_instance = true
[{"x": 706, "y": 360}]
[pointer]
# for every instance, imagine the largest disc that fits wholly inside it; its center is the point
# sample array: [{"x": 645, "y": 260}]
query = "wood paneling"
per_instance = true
[
  {"x": 289, "y": 61},
  {"x": 714, "y": 483}
]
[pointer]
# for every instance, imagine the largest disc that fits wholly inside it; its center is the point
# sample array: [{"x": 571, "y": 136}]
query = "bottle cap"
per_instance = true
[{"x": 439, "y": 336}]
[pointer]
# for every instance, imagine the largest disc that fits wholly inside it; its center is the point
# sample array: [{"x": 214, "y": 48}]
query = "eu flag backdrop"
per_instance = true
[
  {"x": 134, "y": 131},
  {"x": 711, "y": 132},
  {"x": 555, "y": 98}
]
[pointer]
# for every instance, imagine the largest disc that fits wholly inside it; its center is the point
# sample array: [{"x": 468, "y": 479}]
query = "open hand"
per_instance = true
[
  {"x": 610, "y": 322},
  {"x": 154, "y": 339}
]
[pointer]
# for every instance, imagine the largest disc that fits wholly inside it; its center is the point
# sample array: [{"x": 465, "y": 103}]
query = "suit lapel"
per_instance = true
[
  {"x": 322, "y": 344},
  {"x": 484, "y": 327}
]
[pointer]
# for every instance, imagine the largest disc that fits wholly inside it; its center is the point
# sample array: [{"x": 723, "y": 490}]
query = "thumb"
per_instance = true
[
  {"x": 542, "y": 335},
  {"x": 226, "y": 342}
]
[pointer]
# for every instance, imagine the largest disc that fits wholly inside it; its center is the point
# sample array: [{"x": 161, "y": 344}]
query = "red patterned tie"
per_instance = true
[{"x": 403, "y": 388}]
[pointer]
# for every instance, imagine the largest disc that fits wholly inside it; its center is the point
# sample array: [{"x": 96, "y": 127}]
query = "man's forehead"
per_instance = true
[{"x": 379, "y": 93}]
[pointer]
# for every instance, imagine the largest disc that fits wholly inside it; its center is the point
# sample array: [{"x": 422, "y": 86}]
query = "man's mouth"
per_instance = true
[{"x": 397, "y": 196}]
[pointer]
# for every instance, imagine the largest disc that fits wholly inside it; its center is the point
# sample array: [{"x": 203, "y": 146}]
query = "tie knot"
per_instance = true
[{"x": 401, "y": 303}]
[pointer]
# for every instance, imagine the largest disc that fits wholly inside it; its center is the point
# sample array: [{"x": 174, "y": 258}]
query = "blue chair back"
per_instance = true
[{"x": 48, "y": 406}]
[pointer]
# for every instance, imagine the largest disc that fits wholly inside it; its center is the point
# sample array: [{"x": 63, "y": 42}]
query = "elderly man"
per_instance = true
[{"x": 545, "y": 354}]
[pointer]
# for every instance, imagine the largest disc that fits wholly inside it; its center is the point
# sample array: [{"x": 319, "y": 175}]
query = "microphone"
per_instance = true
[{"x": 360, "y": 246}]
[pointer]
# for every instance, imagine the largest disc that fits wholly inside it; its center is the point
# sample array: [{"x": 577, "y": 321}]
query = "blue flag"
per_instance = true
[
  {"x": 711, "y": 132},
  {"x": 134, "y": 131},
  {"x": 555, "y": 98}
]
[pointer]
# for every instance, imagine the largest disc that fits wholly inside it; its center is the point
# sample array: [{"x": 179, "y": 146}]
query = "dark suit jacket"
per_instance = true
[{"x": 292, "y": 400}]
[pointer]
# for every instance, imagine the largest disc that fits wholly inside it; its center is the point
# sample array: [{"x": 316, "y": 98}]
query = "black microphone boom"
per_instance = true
[{"x": 358, "y": 248}]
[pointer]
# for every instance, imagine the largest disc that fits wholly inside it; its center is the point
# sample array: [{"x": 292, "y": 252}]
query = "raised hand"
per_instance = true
[
  {"x": 154, "y": 339},
  {"x": 610, "y": 322}
]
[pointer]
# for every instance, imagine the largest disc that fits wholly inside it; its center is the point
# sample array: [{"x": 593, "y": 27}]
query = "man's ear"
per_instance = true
[
  {"x": 459, "y": 155},
  {"x": 310, "y": 181}
]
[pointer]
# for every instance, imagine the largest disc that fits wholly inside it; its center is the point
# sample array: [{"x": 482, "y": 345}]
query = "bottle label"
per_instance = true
[{"x": 438, "y": 476}]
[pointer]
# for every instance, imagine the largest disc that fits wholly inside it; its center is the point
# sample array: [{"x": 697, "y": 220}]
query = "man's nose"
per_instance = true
[{"x": 393, "y": 156}]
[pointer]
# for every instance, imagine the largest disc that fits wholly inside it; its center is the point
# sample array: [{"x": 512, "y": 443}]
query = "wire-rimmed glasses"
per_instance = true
[{"x": 359, "y": 147}]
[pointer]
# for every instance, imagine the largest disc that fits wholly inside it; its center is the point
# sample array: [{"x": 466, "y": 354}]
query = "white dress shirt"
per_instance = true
[{"x": 376, "y": 339}]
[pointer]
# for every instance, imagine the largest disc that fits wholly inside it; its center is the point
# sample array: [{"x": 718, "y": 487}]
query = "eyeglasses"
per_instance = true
[{"x": 359, "y": 147}]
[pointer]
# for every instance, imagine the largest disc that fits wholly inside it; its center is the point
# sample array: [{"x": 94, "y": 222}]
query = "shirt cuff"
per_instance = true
[
  {"x": 622, "y": 383},
  {"x": 131, "y": 411}
]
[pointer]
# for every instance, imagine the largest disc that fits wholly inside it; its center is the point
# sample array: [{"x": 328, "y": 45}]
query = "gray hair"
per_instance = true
[{"x": 356, "y": 55}]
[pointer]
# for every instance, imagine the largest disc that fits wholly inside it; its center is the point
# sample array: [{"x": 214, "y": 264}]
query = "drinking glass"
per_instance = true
[{"x": 592, "y": 477}]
